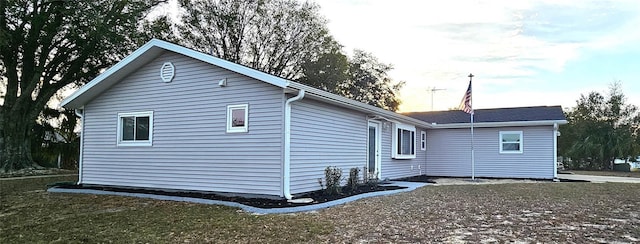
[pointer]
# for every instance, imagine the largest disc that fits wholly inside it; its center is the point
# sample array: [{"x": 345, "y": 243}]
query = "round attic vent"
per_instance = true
[{"x": 167, "y": 72}]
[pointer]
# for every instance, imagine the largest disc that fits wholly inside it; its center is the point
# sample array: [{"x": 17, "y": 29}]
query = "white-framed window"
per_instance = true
[
  {"x": 237, "y": 118},
  {"x": 404, "y": 141},
  {"x": 135, "y": 129},
  {"x": 423, "y": 140},
  {"x": 510, "y": 141}
]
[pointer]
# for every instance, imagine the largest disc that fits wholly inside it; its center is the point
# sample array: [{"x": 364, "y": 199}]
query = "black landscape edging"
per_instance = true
[
  {"x": 571, "y": 180},
  {"x": 419, "y": 178}
]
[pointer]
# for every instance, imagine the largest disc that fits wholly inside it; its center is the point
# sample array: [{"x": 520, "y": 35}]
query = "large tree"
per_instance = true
[
  {"x": 328, "y": 69},
  {"x": 47, "y": 45},
  {"x": 362, "y": 77},
  {"x": 286, "y": 38},
  {"x": 369, "y": 82},
  {"x": 274, "y": 36},
  {"x": 600, "y": 129}
]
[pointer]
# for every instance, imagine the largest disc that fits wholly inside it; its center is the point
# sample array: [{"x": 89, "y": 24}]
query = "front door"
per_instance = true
[{"x": 373, "y": 150}]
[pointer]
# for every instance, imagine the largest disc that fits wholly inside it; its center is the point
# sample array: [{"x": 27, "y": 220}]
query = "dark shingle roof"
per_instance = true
[{"x": 541, "y": 113}]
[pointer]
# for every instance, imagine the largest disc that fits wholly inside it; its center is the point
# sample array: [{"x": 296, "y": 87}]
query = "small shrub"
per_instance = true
[
  {"x": 352, "y": 182},
  {"x": 333, "y": 176},
  {"x": 369, "y": 179}
]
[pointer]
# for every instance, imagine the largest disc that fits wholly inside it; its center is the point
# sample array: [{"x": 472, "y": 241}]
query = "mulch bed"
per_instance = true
[
  {"x": 317, "y": 196},
  {"x": 419, "y": 178}
]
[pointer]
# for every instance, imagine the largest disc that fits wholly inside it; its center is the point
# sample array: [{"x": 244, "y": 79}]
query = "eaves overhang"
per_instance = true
[{"x": 498, "y": 124}]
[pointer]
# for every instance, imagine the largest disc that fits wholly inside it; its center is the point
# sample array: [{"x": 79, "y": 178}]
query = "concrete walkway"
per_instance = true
[
  {"x": 410, "y": 187},
  {"x": 599, "y": 179}
]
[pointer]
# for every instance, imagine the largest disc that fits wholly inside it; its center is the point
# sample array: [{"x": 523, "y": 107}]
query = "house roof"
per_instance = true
[
  {"x": 540, "y": 115},
  {"x": 142, "y": 56},
  {"x": 155, "y": 48}
]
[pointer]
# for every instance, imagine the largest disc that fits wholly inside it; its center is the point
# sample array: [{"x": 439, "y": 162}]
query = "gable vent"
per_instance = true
[{"x": 167, "y": 72}]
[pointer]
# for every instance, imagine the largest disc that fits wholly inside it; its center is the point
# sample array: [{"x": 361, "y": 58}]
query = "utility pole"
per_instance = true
[{"x": 433, "y": 90}]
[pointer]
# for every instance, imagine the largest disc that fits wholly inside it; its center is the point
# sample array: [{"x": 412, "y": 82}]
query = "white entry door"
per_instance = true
[{"x": 373, "y": 150}]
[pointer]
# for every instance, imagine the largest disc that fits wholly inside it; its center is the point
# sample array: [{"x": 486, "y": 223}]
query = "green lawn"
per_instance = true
[
  {"x": 534, "y": 212},
  {"x": 29, "y": 214}
]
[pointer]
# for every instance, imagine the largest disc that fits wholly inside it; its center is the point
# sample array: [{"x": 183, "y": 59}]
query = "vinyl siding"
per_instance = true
[
  {"x": 191, "y": 149},
  {"x": 324, "y": 135},
  {"x": 400, "y": 168},
  {"x": 448, "y": 153}
]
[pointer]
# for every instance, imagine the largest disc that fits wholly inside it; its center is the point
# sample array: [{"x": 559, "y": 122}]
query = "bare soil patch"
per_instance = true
[
  {"x": 634, "y": 174},
  {"x": 482, "y": 181},
  {"x": 521, "y": 213}
]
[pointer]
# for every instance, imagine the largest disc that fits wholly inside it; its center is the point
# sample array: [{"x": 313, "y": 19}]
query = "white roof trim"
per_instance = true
[
  {"x": 498, "y": 124},
  {"x": 256, "y": 74},
  {"x": 346, "y": 102},
  {"x": 155, "y": 43}
]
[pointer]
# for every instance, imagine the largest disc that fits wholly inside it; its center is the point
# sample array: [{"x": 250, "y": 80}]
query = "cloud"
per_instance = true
[{"x": 507, "y": 44}]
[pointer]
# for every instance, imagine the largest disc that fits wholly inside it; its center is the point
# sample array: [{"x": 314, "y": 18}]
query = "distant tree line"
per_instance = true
[
  {"x": 600, "y": 129},
  {"x": 48, "y": 46}
]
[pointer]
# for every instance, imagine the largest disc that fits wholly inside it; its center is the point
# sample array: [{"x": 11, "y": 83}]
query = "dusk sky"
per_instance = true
[{"x": 522, "y": 53}]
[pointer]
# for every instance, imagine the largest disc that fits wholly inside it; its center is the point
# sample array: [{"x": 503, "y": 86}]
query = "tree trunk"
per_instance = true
[{"x": 15, "y": 144}]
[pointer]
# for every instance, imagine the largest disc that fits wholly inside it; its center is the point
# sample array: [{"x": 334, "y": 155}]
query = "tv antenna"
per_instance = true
[{"x": 433, "y": 90}]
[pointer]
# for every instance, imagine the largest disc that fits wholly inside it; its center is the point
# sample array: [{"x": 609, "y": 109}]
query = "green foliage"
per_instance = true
[
  {"x": 46, "y": 46},
  {"x": 600, "y": 129},
  {"x": 352, "y": 182},
  {"x": 328, "y": 70},
  {"x": 54, "y": 138},
  {"x": 332, "y": 177},
  {"x": 362, "y": 77},
  {"x": 370, "y": 83}
]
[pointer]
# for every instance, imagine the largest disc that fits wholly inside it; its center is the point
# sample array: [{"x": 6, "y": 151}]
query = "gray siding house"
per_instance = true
[
  {"x": 513, "y": 142},
  {"x": 169, "y": 117}
]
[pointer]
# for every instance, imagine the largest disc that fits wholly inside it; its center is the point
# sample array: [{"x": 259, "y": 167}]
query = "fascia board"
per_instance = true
[
  {"x": 345, "y": 102},
  {"x": 498, "y": 124}
]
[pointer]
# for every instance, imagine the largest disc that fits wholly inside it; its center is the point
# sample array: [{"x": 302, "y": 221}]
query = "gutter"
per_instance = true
[
  {"x": 286, "y": 179},
  {"x": 81, "y": 116},
  {"x": 498, "y": 124},
  {"x": 348, "y": 103}
]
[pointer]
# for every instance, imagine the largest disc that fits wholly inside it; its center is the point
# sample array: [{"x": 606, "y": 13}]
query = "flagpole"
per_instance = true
[{"x": 473, "y": 161}]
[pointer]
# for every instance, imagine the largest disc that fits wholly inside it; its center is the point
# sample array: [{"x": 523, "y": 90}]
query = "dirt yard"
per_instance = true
[
  {"x": 479, "y": 213},
  {"x": 635, "y": 174},
  {"x": 536, "y": 212}
]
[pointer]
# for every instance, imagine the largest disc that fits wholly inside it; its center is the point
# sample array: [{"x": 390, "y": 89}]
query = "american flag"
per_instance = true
[{"x": 465, "y": 104}]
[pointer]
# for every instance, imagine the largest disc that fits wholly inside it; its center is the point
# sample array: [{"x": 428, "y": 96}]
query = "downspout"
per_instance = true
[
  {"x": 287, "y": 145},
  {"x": 81, "y": 116},
  {"x": 555, "y": 151}
]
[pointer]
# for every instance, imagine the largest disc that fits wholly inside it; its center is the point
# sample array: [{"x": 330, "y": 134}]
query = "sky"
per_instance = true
[{"x": 521, "y": 53}]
